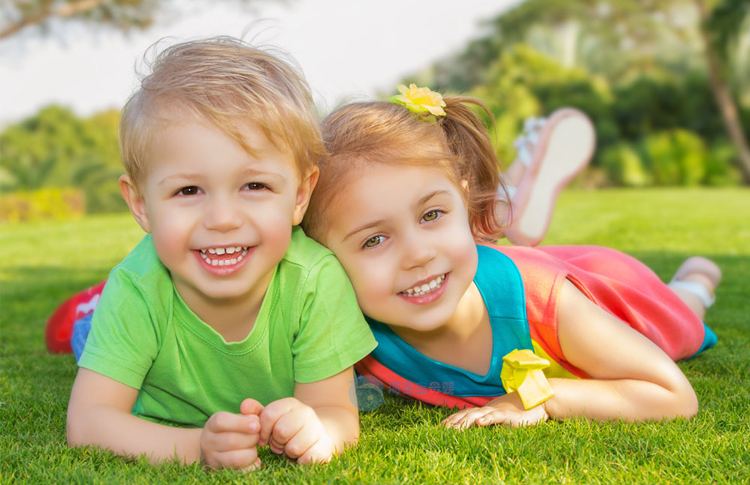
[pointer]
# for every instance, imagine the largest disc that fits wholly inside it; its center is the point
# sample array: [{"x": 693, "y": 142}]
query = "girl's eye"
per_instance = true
[
  {"x": 374, "y": 241},
  {"x": 187, "y": 191},
  {"x": 255, "y": 186},
  {"x": 431, "y": 215}
]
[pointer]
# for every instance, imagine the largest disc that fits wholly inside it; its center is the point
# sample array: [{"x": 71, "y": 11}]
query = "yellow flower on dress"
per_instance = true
[
  {"x": 522, "y": 373},
  {"x": 422, "y": 101}
]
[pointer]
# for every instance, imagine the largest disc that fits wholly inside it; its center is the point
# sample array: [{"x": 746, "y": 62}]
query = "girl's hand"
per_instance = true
[{"x": 506, "y": 410}]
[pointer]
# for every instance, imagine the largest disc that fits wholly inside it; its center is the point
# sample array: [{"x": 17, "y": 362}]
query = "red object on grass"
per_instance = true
[{"x": 60, "y": 325}]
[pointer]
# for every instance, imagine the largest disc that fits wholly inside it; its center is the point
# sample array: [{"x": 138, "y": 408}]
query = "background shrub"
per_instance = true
[{"x": 42, "y": 204}]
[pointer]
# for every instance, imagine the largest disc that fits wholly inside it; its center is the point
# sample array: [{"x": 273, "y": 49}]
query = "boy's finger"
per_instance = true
[
  {"x": 251, "y": 406},
  {"x": 229, "y": 441},
  {"x": 223, "y": 422},
  {"x": 284, "y": 430},
  {"x": 302, "y": 441},
  {"x": 238, "y": 459},
  {"x": 270, "y": 415},
  {"x": 320, "y": 452}
]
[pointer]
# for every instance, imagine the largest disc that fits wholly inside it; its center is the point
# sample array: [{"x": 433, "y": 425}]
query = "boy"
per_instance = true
[{"x": 225, "y": 320}]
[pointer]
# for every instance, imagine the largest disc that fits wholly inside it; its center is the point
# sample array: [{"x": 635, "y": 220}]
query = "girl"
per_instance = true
[{"x": 512, "y": 335}]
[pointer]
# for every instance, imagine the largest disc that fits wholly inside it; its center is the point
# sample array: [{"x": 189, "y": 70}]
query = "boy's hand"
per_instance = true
[
  {"x": 507, "y": 410},
  {"x": 230, "y": 440},
  {"x": 294, "y": 429}
]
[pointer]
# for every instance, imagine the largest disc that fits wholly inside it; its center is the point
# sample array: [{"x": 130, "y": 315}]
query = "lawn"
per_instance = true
[{"x": 42, "y": 264}]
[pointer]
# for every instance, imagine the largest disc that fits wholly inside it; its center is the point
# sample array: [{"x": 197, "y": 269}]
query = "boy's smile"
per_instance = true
[
  {"x": 222, "y": 260},
  {"x": 221, "y": 218},
  {"x": 402, "y": 234}
]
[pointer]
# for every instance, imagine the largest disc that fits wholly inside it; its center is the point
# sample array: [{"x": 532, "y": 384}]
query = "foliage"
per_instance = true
[
  {"x": 652, "y": 58},
  {"x": 120, "y": 14},
  {"x": 675, "y": 157},
  {"x": 42, "y": 204},
  {"x": 42, "y": 264},
  {"x": 624, "y": 166},
  {"x": 56, "y": 148},
  {"x": 525, "y": 83}
]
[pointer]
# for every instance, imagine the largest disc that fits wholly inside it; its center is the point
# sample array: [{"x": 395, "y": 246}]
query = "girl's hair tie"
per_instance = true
[{"x": 422, "y": 101}]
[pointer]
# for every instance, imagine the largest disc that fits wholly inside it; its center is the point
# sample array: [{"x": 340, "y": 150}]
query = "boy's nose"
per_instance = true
[{"x": 222, "y": 215}]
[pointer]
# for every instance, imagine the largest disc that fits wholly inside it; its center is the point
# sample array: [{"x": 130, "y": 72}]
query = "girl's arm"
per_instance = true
[
  {"x": 315, "y": 424},
  {"x": 99, "y": 413},
  {"x": 631, "y": 378}
]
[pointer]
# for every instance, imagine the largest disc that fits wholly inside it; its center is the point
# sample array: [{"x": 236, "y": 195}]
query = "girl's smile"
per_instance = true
[{"x": 426, "y": 292}]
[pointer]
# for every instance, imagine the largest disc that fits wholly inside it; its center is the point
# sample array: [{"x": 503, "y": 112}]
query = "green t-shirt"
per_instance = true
[{"x": 144, "y": 335}]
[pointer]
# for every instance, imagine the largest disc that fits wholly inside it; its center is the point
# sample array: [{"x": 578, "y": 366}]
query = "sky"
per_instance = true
[{"x": 348, "y": 49}]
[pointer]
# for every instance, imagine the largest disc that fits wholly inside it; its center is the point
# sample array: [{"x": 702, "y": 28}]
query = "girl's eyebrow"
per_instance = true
[
  {"x": 362, "y": 228},
  {"x": 429, "y": 196},
  {"x": 369, "y": 225}
]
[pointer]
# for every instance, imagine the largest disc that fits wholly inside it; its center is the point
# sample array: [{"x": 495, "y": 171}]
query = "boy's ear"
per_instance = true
[
  {"x": 135, "y": 201},
  {"x": 304, "y": 191}
]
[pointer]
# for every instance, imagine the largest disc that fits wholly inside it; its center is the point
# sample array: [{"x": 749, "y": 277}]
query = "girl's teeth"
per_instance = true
[{"x": 422, "y": 289}]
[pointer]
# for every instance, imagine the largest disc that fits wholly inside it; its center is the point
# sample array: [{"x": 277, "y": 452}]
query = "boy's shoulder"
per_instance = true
[
  {"x": 305, "y": 252},
  {"x": 143, "y": 266}
]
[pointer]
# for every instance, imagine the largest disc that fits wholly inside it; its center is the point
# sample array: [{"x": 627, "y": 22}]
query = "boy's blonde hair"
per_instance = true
[
  {"x": 229, "y": 83},
  {"x": 361, "y": 134}
]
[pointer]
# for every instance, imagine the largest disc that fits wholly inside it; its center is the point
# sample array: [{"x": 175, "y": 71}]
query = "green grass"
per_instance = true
[{"x": 42, "y": 264}]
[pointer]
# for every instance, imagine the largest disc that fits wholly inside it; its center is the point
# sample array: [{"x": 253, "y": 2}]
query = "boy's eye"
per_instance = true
[
  {"x": 431, "y": 215},
  {"x": 191, "y": 190},
  {"x": 374, "y": 241},
  {"x": 255, "y": 186}
]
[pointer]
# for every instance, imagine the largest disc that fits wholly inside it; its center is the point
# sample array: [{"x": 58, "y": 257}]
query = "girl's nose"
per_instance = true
[{"x": 418, "y": 251}]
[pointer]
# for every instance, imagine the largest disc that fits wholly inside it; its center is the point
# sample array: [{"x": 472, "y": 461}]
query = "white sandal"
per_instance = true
[{"x": 554, "y": 151}]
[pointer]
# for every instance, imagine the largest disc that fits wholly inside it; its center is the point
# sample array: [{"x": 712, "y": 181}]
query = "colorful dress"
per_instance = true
[{"x": 521, "y": 288}]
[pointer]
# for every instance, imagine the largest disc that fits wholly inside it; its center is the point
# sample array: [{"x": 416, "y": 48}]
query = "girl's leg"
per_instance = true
[
  {"x": 550, "y": 153},
  {"x": 695, "y": 282}
]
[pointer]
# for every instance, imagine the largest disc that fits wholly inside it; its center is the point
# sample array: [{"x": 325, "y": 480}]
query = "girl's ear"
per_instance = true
[
  {"x": 304, "y": 191},
  {"x": 135, "y": 201},
  {"x": 465, "y": 185}
]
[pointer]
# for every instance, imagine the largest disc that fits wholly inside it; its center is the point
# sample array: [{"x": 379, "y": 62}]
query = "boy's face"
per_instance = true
[
  {"x": 402, "y": 235},
  {"x": 221, "y": 219}
]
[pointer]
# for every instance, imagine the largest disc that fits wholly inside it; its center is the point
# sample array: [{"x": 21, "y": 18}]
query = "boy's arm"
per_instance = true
[
  {"x": 318, "y": 422},
  {"x": 99, "y": 413},
  {"x": 631, "y": 378}
]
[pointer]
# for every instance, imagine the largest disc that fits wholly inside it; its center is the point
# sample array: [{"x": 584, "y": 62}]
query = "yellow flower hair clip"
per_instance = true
[{"x": 422, "y": 101}]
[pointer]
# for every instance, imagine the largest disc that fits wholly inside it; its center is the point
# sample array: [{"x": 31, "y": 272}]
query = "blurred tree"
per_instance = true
[
  {"x": 622, "y": 41},
  {"x": 121, "y": 14},
  {"x": 722, "y": 25},
  {"x": 55, "y": 148}
]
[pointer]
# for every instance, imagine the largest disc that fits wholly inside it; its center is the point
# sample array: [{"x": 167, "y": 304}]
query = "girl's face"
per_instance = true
[{"x": 402, "y": 234}]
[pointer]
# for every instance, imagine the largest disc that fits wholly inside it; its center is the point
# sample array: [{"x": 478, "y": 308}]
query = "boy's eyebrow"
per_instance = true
[
  {"x": 250, "y": 172},
  {"x": 420, "y": 202}
]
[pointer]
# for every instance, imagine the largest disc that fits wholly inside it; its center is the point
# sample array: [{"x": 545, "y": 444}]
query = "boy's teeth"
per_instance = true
[
  {"x": 206, "y": 255},
  {"x": 420, "y": 290}
]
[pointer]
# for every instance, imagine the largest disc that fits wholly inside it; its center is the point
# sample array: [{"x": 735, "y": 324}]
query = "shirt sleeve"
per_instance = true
[
  {"x": 123, "y": 342},
  {"x": 333, "y": 333}
]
